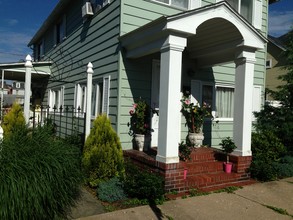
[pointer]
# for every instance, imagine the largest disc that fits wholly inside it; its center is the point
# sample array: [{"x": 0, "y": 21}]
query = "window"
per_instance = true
[
  {"x": 39, "y": 51},
  {"x": 269, "y": 63},
  {"x": 251, "y": 10},
  {"x": 244, "y": 7},
  {"x": 185, "y": 4},
  {"x": 220, "y": 98},
  {"x": 100, "y": 96},
  {"x": 60, "y": 31},
  {"x": 56, "y": 98},
  {"x": 224, "y": 102}
]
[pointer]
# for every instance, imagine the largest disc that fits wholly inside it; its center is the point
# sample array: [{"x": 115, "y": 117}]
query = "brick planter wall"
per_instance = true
[{"x": 204, "y": 167}]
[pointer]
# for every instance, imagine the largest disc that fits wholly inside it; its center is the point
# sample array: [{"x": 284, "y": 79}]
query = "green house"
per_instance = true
[{"x": 157, "y": 50}]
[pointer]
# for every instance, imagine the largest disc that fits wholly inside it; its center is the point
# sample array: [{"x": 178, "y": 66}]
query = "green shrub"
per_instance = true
[
  {"x": 267, "y": 149},
  {"x": 102, "y": 154},
  {"x": 111, "y": 190},
  {"x": 285, "y": 167},
  {"x": 13, "y": 120},
  {"x": 143, "y": 184},
  {"x": 40, "y": 176}
]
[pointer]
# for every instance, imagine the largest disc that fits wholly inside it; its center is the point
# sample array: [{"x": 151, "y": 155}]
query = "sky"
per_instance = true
[{"x": 21, "y": 19}]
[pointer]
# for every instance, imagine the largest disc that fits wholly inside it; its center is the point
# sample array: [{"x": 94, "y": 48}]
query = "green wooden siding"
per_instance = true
[{"x": 96, "y": 41}]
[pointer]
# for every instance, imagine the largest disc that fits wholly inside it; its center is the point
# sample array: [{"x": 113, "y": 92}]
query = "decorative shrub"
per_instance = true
[
  {"x": 39, "y": 176},
  {"x": 111, "y": 190},
  {"x": 102, "y": 154},
  {"x": 285, "y": 167},
  {"x": 143, "y": 184},
  {"x": 184, "y": 151},
  {"x": 13, "y": 120},
  {"x": 267, "y": 149}
]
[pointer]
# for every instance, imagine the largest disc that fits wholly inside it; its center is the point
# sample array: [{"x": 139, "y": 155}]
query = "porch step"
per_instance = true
[
  {"x": 202, "y": 155},
  {"x": 209, "y": 180},
  {"x": 204, "y": 167}
]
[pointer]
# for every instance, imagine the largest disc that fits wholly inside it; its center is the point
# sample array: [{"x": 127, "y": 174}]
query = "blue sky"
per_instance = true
[{"x": 20, "y": 19}]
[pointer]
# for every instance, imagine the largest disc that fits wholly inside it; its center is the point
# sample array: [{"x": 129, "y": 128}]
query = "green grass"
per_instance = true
[{"x": 278, "y": 210}]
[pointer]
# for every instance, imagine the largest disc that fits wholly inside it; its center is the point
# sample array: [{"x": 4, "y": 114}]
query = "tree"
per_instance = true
[{"x": 279, "y": 120}]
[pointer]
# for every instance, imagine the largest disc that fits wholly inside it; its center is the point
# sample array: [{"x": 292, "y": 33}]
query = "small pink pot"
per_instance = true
[{"x": 228, "y": 167}]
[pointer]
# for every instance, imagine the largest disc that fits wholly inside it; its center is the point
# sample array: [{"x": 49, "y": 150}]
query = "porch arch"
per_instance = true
[{"x": 190, "y": 31}]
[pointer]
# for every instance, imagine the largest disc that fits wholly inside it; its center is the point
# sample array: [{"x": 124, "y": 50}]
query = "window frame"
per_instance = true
[
  {"x": 101, "y": 102},
  {"x": 192, "y": 4},
  {"x": 52, "y": 98},
  {"x": 60, "y": 28}
]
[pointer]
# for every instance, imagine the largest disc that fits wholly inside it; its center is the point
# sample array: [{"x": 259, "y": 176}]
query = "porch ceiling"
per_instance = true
[
  {"x": 16, "y": 71},
  {"x": 214, "y": 33}
]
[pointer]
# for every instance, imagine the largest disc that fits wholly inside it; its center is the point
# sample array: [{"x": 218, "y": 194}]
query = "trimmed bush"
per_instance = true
[
  {"x": 13, "y": 120},
  {"x": 285, "y": 167},
  {"x": 39, "y": 176},
  {"x": 143, "y": 184},
  {"x": 102, "y": 154},
  {"x": 267, "y": 149},
  {"x": 111, "y": 190}
]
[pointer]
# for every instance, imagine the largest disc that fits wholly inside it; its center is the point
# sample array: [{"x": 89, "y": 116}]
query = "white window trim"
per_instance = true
[
  {"x": 231, "y": 86},
  {"x": 52, "y": 101},
  {"x": 198, "y": 99},
  {"x": 105, "y": 97},
  {"x": 192, "y": 4},
  {"x": 270, "y": 63},
  {"x": 256, "y": 13}
]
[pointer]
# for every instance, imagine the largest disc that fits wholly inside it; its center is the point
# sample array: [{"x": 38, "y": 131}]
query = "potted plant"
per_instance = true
[
  {"x": 194, "y": 115},
  {"x": 228, "y": 146},
  {"x": 139, "y": 124}
]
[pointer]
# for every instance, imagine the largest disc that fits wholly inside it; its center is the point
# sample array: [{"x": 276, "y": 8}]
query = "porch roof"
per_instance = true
[
  {"x": 209, "y": 30},
  {"x": 16, "y": 71}
]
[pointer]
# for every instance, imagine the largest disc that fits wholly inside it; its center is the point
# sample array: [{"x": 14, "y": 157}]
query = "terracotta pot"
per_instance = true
[
  {"x": 196, "y": 139},
  {"x": 228, "y": 167}
]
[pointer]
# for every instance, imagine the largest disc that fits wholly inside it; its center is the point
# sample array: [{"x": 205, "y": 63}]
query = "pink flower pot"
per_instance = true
[{"x": 228, "y": 167}]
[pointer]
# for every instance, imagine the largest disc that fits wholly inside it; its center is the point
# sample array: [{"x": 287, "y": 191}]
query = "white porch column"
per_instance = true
[
  {"x": 89, "y": 86},
  {"x": 27, "y": 87},
  {"x": 244, "y": 74},
  {"x": 170, "y": 84}
]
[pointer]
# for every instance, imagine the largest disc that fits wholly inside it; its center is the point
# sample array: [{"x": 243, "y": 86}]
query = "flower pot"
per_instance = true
[
  {"x": 142, "y": 142},
  {"x": 228, "y": 167},
  {"x": 196, "y": 139}
]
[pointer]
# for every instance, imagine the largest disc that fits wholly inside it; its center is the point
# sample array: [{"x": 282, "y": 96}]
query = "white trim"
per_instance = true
[
  {"x": 269, "y": 63},
  {"x": 106, "y": 94}
]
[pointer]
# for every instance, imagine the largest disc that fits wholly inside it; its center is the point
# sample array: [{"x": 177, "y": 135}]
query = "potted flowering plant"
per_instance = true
[
  {"x": 139, "y": 126},
  {"x": 194, "y": 115}
]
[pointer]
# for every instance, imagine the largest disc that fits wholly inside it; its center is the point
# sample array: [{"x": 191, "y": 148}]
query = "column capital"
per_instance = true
[
  {"x": 174, "y": 43},
  {"x": 245, "y": 55}
]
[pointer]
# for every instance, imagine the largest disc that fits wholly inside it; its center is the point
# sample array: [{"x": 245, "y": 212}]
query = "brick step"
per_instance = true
[
  {"x": 204, "y": 167},
  {"x": 212, "y": 179},
  {"x": 202, "y": 155}
]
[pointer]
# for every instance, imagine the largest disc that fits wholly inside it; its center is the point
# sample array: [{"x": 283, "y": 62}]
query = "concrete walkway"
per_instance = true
[{"x": 252, "y": 202}]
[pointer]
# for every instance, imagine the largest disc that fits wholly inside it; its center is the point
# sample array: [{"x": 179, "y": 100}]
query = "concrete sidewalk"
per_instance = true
[{"x": 251, "y": 202}]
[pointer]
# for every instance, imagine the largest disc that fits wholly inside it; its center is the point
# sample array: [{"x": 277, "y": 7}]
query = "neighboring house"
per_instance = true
[
  {"x": 157, "y": 50},
  {"x": 275, "y": 64}
]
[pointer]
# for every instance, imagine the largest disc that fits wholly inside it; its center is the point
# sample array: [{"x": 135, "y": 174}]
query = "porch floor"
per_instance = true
[{"x": 204, "y": 170}]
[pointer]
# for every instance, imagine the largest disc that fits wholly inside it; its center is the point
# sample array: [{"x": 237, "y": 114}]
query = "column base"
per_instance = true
[{"x": 167, "y": 160}]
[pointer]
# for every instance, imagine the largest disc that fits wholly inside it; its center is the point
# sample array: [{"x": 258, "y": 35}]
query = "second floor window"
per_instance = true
[
  {"x": 243, "y": 7},
  {"x": 60, "y": 31},
  {"x": 177, "y": 3}
]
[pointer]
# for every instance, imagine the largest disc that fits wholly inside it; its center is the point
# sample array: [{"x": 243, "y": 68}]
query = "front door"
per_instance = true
[{"x": 155, "y": 102}]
